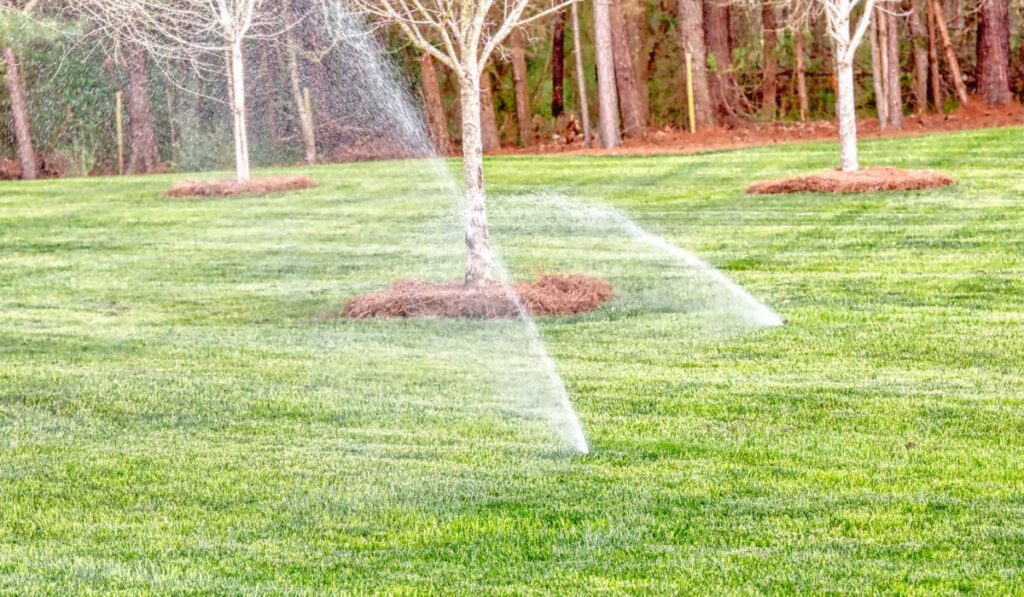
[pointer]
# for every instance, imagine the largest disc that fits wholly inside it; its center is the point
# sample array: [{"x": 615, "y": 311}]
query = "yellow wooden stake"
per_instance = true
[
  {"x": 119, "y": 109},
  {"x": 689, "y": 94}
]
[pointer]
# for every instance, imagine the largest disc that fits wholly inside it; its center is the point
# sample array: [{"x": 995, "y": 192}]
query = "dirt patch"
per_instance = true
[
  {"x": 191, "y": 189},
  {"x": 549, "y": 295},
  {"x": 867, "y": 180}
]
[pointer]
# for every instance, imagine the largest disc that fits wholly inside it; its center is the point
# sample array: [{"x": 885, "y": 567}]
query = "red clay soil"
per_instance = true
[
  {"x": 191, "y": 189},
  {"x": 549, "y": 295},
  {"x": 977, "y": 115},
  {"x": 868, "y": 180}
]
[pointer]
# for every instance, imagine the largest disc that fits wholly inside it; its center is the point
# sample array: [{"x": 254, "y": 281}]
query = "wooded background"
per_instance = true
[{"x": 767, "y": 61}]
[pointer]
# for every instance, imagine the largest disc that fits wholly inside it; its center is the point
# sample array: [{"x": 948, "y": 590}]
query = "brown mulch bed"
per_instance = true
[
  {"x": 191, "y": 189},
  {"x": 867, "y": 180},
  {"x": 548, "y": 295}
]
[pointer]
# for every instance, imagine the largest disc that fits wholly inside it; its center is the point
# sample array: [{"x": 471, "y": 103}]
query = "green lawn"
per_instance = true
[{"x": 176, "y": 414}]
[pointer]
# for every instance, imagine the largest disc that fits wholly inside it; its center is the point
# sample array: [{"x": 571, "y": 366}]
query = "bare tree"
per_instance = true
[
  {"x": 462, "y": 35},
  {"x": 844, "y": 44},
  {"x": 209, "y": 35},
  {"x": 16, "y": 91}
]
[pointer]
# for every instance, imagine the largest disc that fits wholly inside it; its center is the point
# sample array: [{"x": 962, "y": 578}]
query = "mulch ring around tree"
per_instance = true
[
  {"x": 548, "y": 295},
  {"x": 192, "y": 189},
  {"x": 867, "y": 180}
]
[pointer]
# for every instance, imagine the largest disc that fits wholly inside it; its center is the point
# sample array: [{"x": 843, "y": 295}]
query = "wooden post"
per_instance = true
[
  {"x": 691, "y": 117},
  {"x": 119, "y": 125}
]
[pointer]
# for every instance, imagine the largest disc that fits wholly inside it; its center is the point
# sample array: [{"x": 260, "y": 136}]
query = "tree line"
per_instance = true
[{"x": 623, "y": 66}]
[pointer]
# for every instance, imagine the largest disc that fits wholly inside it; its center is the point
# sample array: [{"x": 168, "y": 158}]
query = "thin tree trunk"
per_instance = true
[
  {"x": 607, "y": 97},
  {"x": 478, "y": 262},
  {"x": 993, "y": 51},
  {"x": 490, "y": 137},
  {"x": 558, "y": 64},
  {"x": 725, "y": 90},
  {"x": 144, "y": 155},
  {"x": 305, "y": 117},
  {"x": 947, "y": 47},
  {"x": 690, "y": 30},
  {"x": 521, "y": 85},
  {"x": 629, "y": 98},
  {"x": 581, "y": 78},
  {"x": 769, "y": 89},
  {"x": 919, "y": 43},
  {"x": 878, "y": 58},
  {"x": 933, "y": 60},
  {"x": 19, "y": 113},
  {"x": 237, "y": 80},
  {"x": 434, "y": 105},
  {"x": 893, "y": 87},
  {"x": 801, "y": 74}
]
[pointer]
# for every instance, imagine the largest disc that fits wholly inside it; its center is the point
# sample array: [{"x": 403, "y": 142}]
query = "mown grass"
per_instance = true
[{"x": 174, "y": 416}]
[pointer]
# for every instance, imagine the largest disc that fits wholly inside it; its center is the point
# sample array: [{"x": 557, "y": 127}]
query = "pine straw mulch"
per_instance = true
[
  {"x": 192, "y": 189},
  {"x": 548, "y": 295},
  {"x": 867, "y": 180}
]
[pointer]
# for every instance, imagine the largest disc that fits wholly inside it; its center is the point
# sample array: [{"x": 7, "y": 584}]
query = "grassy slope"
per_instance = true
[{"x": 171, "y": 417}]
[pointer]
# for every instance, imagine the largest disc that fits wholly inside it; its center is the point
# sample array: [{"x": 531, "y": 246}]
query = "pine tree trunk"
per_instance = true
[
  {"x": 558, "y": 64},
  {"x": 919, "y": 43},
  {"x": 933, "y": 60},
  {"x": 488, "y": 120},
  {"x": 521, "y": 84},
  {"x": 893, "y": 88},
  {"x": 607, "y": 97},
  {"x": 581, "y": 78},
  {"x": 434, "y": 105},
  {"x": 993, "y": 51},
  {"x": 625, "y": 79},
  {"x": 725, "y": 91},
  {"x": 241, "y": 133},
  {"x": 690, "y": 31},
  {"x": 769, "y": 89},
  {"x": 878, "y": 58},
  {"x": 478, "y": 243},
  {"x": 19, "y": 113},
  {"x": 636, "y": 29},
  {"x": 144, "y": 156},
  {"x": 951, "y": 59},
  {"x": 801, "y": 75}
]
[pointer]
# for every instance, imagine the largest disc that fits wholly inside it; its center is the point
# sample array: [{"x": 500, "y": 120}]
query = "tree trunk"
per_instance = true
[
  {"x": 635, "y": 12},
  {"x": 521, "y": 84},
  {"x": 144, "y": 155},
  {"x": 558, "y": 64},
  {"x": 434, "y": 104},
  {"x": 625, "y": 78},
  {"x": 893, "y": 88},
  {"x": 488, "y": 120},
  {"x": 878, "y": 58},
  {"x": 607, "y": 98},
  {"x": 947, "y": 47},
  {"x": 801, "y": 74},
  {"x": 305, "y": 117},
  {"x": 237, "y": 80},
  {"x": 581, "y": 78},
  {"x": 19, "y": 113},
  {"x": 919, "y": 43},
  {"x": 846, "y": 108},
  {"x": 769, "y": 89},
  {"x": 478, "y": 263},
  {"x": 933, "y": 60},
  {"x": 993, "y": 50},
  {"x": 690, "y": 30},
  {"x": 725, "y": 90}
]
